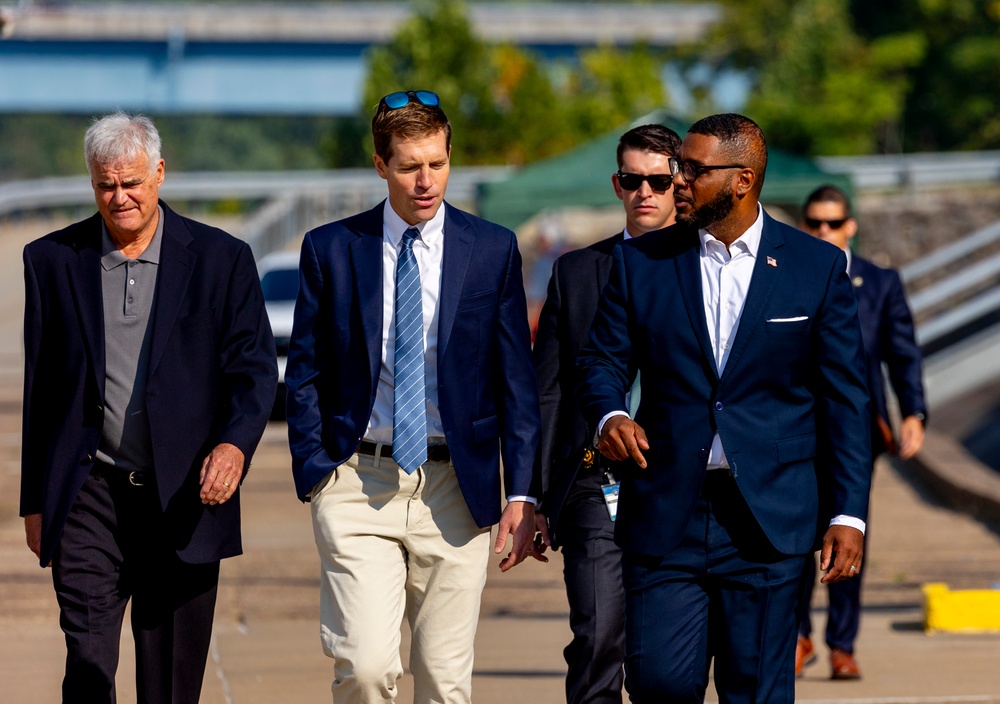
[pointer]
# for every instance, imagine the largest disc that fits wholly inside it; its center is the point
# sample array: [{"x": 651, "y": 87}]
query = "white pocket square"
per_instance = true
[{"x": 789, "y": 320}]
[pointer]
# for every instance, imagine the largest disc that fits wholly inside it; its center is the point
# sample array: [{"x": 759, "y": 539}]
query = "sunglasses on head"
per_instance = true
[
  {"x": 816, "y": 223},
  {"x": 394, "y": 101},
  {"x": 633, "y": 182}
]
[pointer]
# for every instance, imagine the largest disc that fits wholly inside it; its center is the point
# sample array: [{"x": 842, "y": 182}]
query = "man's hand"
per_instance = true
[
  {"x": 542, "y": 541},
  {"x": 911, "y": 437},
  {"x": 221, "y": 473},
  {"x": 517, "y": 521},
  {"x": 840, "y": 558},
  {"x": 622, "y": 438},
  {"x": 33, "y": 533}
]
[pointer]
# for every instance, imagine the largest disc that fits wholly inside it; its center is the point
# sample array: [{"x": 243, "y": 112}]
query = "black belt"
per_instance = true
[
  {"x": 137, "y": 477},
  {"x": 435, "y": 453}
]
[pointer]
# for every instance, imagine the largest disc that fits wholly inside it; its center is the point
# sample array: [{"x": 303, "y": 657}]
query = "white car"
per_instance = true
[{"x": 279, "y": 279}]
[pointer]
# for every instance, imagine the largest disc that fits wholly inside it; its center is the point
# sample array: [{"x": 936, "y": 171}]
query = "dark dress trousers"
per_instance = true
[
  {"x": 487, "y": 394},
  {"x": 712, "y": 558},
  {"x": 887, "y": 329},
  {"x": 571, "y": 495},
  {"x": 212, "y": 379}
]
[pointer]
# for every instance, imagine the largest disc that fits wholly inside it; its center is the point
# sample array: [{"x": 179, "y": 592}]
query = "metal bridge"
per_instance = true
[{"x": 276, "y": 58}]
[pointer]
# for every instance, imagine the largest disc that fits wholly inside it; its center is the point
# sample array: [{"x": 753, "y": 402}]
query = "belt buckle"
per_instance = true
[{"x": 135, "y": 478}]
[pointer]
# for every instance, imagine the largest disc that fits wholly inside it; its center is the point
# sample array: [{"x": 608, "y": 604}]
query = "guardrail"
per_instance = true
[
  {"x": 932, "y": 169},
  {"x": 962, "y": 298},
  {"x": 294, "y": 201}
]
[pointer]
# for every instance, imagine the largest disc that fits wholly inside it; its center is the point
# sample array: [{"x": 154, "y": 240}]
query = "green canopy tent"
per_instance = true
[{"x": 582, "y": 177}]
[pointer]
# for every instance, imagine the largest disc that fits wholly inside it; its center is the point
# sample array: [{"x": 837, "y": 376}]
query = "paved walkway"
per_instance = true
[{"x": 266, "y": 647}]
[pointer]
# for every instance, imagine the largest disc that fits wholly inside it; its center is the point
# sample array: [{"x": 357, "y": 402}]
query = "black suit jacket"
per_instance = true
[
  {"x": 574, "y": 291},
  {"x": 887, "y": 330},
  {"x": 212, "y": 375}
]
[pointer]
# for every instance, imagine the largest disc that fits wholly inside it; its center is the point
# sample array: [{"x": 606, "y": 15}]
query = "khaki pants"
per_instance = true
[{"x": 391, "y": 543}]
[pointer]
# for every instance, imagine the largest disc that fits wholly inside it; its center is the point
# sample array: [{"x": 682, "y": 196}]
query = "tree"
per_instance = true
[
  {"x": 505, "y": 104},
  {"x": 818, "y": 87}
]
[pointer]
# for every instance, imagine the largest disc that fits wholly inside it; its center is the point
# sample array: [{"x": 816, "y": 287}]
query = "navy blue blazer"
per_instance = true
[
  {"x": 791, "y": 405},
  {"x": 887, "y": 329},
  {"x": 212, "y": 375},
  {"x": 487, "y": 394}
]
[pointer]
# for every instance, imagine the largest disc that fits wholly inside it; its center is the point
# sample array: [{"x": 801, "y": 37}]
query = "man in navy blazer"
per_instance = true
[
  {"x": 573, "y": 508},
  {"x": 751, "y": 433},
  {"x": 887, "y": 330},
  {"x": 413, "y": 299},
  {"x": 149, "y": 375}
]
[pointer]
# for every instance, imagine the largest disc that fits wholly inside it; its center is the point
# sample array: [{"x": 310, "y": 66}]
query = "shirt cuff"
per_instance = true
[
  {"x": 851, "y": 521},
  {"x": 530, "y": 499},
  {"x": 600, "y": 426}
]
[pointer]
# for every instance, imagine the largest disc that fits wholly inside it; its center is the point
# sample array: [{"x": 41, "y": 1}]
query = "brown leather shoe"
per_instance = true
[
  {"x": 804, "y": 654},
  {"x": 844, "y": 666}
]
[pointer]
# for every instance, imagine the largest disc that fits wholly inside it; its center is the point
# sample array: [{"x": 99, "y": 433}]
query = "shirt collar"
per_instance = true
[
  {"x": 394, "y": 226},
  {"x": 748, "y": 242},
  {"x": 626, "y": 233},
  {"x": 111, "y": 257}
]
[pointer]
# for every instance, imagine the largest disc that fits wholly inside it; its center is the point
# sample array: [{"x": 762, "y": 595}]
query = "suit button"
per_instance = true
[
  {"x": 718, "y": 405},
  {"x": 703, "y": 452},
  {"x": 100, "y": 408},
  {"x": 88, "y": 459}
]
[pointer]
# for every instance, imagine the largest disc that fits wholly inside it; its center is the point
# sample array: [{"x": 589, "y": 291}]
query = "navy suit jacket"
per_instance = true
[
  {"x": 887, "y": 329},
  {"x": 487, "y": 394},
  {"x": 791, "y": 405},
  {"x": 578, "y": 278},
  {"x": 212, "y": 375}
]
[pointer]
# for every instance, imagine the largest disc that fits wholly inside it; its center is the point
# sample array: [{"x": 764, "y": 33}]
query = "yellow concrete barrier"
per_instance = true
[{"x": 963, "y": 610}]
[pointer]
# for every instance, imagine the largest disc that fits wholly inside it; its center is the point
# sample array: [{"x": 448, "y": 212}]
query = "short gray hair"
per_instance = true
[{"x": 119, "y": 137}]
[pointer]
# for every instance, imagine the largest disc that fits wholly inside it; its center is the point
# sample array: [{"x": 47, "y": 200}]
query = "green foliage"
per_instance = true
[
  {"x": 505, "y": 106},
  {"x": 820, "y": 88}
]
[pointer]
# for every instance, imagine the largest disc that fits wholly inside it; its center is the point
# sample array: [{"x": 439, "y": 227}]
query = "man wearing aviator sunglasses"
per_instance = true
[
  {"x": 572, "y": 473},
  {"x": 887, "y": 330}
]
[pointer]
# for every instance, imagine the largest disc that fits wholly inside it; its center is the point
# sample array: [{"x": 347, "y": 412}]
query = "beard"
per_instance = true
[{"x": 715, "y": 210}]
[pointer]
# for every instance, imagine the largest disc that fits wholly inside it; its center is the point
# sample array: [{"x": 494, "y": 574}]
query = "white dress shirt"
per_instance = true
[{"x": 428, "y": 249}]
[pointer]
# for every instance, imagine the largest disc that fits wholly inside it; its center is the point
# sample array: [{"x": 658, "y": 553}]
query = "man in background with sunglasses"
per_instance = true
[
  {"x": 573, "y": 506},
  {"x": 754, "y": 414},
  {"x": 409, "y": 375},
  {"x": 887, "y": 329}
]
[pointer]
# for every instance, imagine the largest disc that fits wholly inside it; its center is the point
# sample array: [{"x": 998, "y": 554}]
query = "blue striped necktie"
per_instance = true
[{"x": 409, "y": 409}]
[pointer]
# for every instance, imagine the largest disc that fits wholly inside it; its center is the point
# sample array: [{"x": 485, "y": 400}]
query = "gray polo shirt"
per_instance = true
[{"x": 128, "y": 286}]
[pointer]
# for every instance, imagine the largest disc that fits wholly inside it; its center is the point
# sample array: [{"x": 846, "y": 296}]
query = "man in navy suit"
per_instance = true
[
  {"x": 751, "y": 433},
  {"x": 573, "y": 507},
  {"x": 149, "y": 375},
  {"x": 409, "y": 377},
  {"x": 887, "y": 330}
]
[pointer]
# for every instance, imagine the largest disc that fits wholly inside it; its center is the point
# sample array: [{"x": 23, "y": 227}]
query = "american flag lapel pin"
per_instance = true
[{"x": 771, "y": 261}]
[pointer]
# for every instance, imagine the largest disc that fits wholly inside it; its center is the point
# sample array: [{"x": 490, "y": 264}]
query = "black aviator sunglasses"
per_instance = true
[{"x": 633, "y": 182}]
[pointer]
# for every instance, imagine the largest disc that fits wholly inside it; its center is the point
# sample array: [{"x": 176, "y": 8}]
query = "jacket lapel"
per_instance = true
[
  {"x": 765, "y": 276},
  {"x": 458, "y": 246},
  {"x": 688, "y": 264},
  {"x": 172, "y": 278},
  {"x": 366, "y": 264},
  {"x": 603, "y": 264},
  {"x": 84, "y": 276}
]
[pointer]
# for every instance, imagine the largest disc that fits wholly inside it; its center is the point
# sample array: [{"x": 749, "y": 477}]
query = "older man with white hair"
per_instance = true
[{"x": 149, "y": 375}]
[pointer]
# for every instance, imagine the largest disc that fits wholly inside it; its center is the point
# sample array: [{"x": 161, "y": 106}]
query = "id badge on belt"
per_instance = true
[{"x": 610, "y": 490}]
